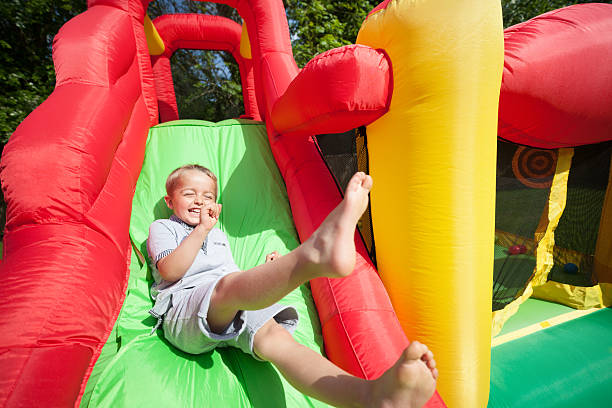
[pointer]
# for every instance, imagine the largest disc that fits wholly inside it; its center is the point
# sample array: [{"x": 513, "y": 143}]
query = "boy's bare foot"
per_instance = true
[
  {"x": 332, "y": 247},
  {"x": 409, "y": 383}
]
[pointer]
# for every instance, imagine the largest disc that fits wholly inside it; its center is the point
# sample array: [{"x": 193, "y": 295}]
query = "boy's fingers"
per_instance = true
[
  {"x": 271, "y": 256},
  {"x": 207, "y": 212}
]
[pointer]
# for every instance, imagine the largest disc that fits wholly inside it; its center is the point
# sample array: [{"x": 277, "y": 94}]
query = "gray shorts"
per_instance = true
[{"x": 186, "y": 326}]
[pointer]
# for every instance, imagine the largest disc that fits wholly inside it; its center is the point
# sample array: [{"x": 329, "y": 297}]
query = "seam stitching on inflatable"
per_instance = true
[
  {"x": 346, "y": 333},
  {"x": 14, "y": 385}
]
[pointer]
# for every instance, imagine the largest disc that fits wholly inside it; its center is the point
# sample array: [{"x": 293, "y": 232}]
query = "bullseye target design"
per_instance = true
[{"x": 534, "y": 168}]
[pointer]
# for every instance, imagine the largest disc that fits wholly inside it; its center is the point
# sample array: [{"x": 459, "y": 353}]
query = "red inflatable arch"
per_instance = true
[{"x": 198, "y": 32}]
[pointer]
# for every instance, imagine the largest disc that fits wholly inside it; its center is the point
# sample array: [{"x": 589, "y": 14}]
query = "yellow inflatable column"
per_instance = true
[{"x": 433, "y": 158}]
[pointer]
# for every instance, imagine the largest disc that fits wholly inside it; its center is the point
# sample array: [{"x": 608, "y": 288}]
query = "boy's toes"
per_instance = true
[
  {"x": 366, "y": 181},
  {"x": 431, "y": 363},
  {"x": 415, "y": 351},
  {"x": 360, "y": 180},
  {"x": 409, "y": 383},
  {"x": 428, "y": 358}
]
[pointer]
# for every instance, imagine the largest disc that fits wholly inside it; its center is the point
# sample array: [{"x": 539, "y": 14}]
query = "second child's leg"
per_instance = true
[{"x": 330, "y": 251}]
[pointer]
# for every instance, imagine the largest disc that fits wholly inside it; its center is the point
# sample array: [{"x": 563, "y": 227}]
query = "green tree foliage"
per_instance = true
[
  {"x": 27, "y": 77},
  {"x": 517, "y": 11},
  {"x": 319, "y": 25}
]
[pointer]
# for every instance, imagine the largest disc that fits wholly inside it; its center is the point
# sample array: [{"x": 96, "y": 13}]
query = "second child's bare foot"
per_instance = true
[
  {"x": 332, "y": 247},
  {"x": 409, "y": 383}
]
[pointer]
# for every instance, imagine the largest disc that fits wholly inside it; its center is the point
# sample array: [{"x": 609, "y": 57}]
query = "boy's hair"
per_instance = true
[{"x": 173, "y": 178}]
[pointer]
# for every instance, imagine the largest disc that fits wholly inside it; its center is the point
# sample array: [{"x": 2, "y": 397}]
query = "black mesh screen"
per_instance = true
[
  {"x": 576, "y": 234},
  {"x": 345, "y": 154},
  {"x": 524, "y": 177}
]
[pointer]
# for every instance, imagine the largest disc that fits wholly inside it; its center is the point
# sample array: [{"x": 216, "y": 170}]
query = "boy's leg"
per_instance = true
[
  {"x": 409, "y": 383},
  {"x": 330, "y": 251}
]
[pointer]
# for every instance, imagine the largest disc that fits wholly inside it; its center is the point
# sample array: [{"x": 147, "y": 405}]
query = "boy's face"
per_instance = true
[{"x": 193, "y": 190}]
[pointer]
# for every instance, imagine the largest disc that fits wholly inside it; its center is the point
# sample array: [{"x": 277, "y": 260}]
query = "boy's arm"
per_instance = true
[{"x": 173, "y": 266}]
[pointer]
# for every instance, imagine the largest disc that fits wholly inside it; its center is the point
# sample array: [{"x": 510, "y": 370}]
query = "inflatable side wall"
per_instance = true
[{"x": 68, "y": 174}]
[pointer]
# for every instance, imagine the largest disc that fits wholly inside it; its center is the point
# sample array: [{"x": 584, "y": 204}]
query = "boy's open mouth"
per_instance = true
[{"x": 194, "y": 210}]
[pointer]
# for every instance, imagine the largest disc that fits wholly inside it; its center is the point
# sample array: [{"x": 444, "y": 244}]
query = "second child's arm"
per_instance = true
[{"x": 174, "y": 266}]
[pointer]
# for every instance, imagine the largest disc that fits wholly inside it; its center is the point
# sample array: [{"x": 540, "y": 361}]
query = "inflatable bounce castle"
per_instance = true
[{"x": 83, "y": 177}]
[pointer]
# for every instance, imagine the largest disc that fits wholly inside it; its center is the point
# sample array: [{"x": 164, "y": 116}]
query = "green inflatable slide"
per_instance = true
[{"x": 139, "y": 369}]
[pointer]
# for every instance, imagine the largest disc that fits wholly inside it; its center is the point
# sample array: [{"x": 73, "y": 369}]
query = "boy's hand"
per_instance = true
[
  {"x": 272, "y": 256},
  {"x": 209, "y": 215}
]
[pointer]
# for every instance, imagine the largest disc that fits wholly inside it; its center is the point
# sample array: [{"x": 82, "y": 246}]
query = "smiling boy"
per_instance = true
[{"x": 205, "y": 301}]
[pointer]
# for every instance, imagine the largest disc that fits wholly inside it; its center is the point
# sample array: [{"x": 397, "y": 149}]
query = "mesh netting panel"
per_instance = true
[
  {"x": 524, "y": 177},
  {"x": 345, "y": 154},
  {"x": 576, "y": 234}
]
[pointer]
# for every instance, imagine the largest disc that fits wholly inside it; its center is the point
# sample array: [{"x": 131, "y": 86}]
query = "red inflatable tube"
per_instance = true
[
  {"x": 200, "y": 32},
  {"x": 68, "y": 174},
  {"x": 337, "y": 90},
  {"x": 556, "y": 87},
  {"x": 273, "y": 64}
]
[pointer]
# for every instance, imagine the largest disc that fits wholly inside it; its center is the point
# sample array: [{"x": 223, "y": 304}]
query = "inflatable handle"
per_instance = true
[{"x": 336, "y": 91}]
